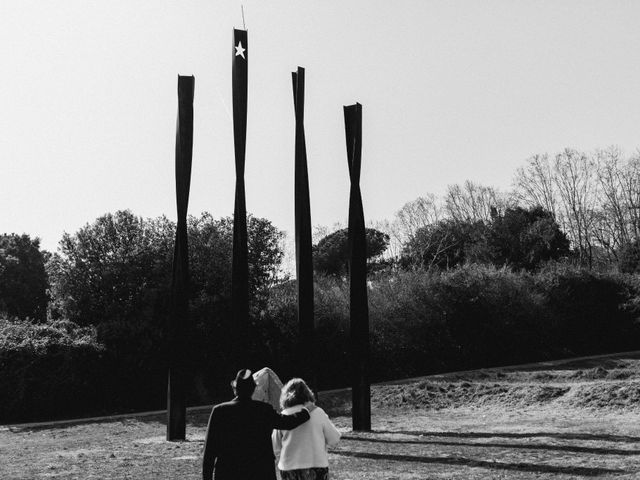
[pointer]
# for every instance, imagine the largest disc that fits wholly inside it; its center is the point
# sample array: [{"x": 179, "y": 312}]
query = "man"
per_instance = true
[{"x": 238, "y": 440}]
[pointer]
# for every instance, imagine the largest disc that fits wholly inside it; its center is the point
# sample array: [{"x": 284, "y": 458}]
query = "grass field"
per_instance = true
[{"x": 570, "y": 420}]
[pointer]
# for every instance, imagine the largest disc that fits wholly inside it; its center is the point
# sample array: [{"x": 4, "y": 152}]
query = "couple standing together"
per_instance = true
[{"x": 243, "y": 435}]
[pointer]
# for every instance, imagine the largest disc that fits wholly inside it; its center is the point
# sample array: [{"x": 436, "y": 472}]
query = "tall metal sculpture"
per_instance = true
[
  {"x": 240, "y": 262},
  {"x": 361, "y": 388},
  {"x": 304, "y": 261},
  {"x": 179, "y": 319}
]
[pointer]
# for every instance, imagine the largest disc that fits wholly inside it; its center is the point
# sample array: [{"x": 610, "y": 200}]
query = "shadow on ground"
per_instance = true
[
  {"x": 556, "y": 435},
  {"x": 526, "y": 446},
  {"x": 194, "y": 420},
  {"x": 469, "y": 462}
]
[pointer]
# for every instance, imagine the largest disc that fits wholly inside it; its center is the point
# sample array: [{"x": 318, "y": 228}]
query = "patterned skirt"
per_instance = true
[{"x": 305, "y": 474}]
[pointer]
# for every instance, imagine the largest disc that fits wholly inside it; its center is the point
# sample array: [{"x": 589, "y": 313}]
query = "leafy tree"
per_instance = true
[
  {"x": 119, "y": 267},
  {"x": 210, "y": 249},
  {"x": 524, "y": 238},
  {"x": 112, "y": 269},
  {"x": 23, "y": 279},
  {"x": 445, "y": 244},
  {"x": 521, "y": 238},
  {"x": 265, "y": 254},
  {"x": 331, "y": 253},
  {"x": 115, "y": 273}
]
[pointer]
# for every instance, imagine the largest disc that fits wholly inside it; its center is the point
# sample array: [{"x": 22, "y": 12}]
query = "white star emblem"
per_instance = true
[{"x": 240, "y": 51}]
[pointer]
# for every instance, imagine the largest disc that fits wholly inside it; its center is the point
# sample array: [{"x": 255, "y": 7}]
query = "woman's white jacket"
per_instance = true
[{"x": 305, "y": 446}]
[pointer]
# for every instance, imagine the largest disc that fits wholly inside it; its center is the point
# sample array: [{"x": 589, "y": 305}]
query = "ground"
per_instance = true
[{"x": 577, "y": 419}]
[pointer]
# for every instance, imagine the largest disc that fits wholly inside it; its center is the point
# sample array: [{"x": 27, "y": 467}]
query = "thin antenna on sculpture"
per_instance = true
[{"x": 244, "y": 27}]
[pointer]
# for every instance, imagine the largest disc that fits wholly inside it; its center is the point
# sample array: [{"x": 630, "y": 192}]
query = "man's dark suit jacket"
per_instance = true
[{"x": 238, "y": 440}]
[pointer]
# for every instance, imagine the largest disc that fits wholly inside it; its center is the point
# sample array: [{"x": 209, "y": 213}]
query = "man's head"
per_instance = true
[{"x": 244, "y": 384}]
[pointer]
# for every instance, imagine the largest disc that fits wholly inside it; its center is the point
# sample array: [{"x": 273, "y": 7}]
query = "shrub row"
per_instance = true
[
  {"x": 421, "y": 323},
  {"x": 470, "y": 317},
  {"x": 60, "y": 370}
]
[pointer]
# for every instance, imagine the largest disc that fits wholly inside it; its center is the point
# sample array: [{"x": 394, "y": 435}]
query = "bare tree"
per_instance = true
[
  {"x": 534, "y": 184},
  {"x": 407, "y": 221},
  {"x": 418, "y": 213},
  {"x": 394, "y": 249},
  {"x": 612, "y": 221},
  {"x": 595, "y": 198},
  {"x": 576, "y": 180},
  {"x": 472, "y": 202},
  {"x": 630, "y": 180},
  {"x": 320, "y": 231},
  {"x": 620, "y": 203}
]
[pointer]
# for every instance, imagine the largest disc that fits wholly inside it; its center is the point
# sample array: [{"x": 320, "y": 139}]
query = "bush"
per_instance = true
[
  {"x": 278, "y": 332},
  {"x": 592, "y": 312},
  {"x": 629, "y": 258},
  {"x": 48, "y": 370},
  {"x": 60, "y": 370},
  {"x": 469, "y": 317}
]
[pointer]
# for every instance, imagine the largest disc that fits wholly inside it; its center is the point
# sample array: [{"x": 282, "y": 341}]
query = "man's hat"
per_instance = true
[{"x": 244, "y": 380}]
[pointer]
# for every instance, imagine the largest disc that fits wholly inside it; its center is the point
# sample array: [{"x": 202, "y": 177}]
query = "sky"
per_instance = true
[{"x": 452, "y": 90}]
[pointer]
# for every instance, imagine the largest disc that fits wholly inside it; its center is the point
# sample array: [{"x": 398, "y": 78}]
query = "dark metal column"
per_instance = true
[
  {"x": 304, "y": 259},
  {"x": 240, "y": 262},
  {"x": 179, "y": 318},
  {"x": 361, "y": 389}
]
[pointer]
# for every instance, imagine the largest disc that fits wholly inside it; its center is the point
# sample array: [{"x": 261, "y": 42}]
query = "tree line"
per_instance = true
[
  {"x": 534, "y": 269},
  {"x": 580, "y": 207},
  {"x": 593, "y": 198}
]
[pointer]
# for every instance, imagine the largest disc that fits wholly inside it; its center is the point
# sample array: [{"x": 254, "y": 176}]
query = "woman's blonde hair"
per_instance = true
[{"x": 295, "y": 392}]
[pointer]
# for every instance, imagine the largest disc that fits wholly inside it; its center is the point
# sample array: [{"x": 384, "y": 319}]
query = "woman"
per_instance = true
[{"x": 302, "y": 451}]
